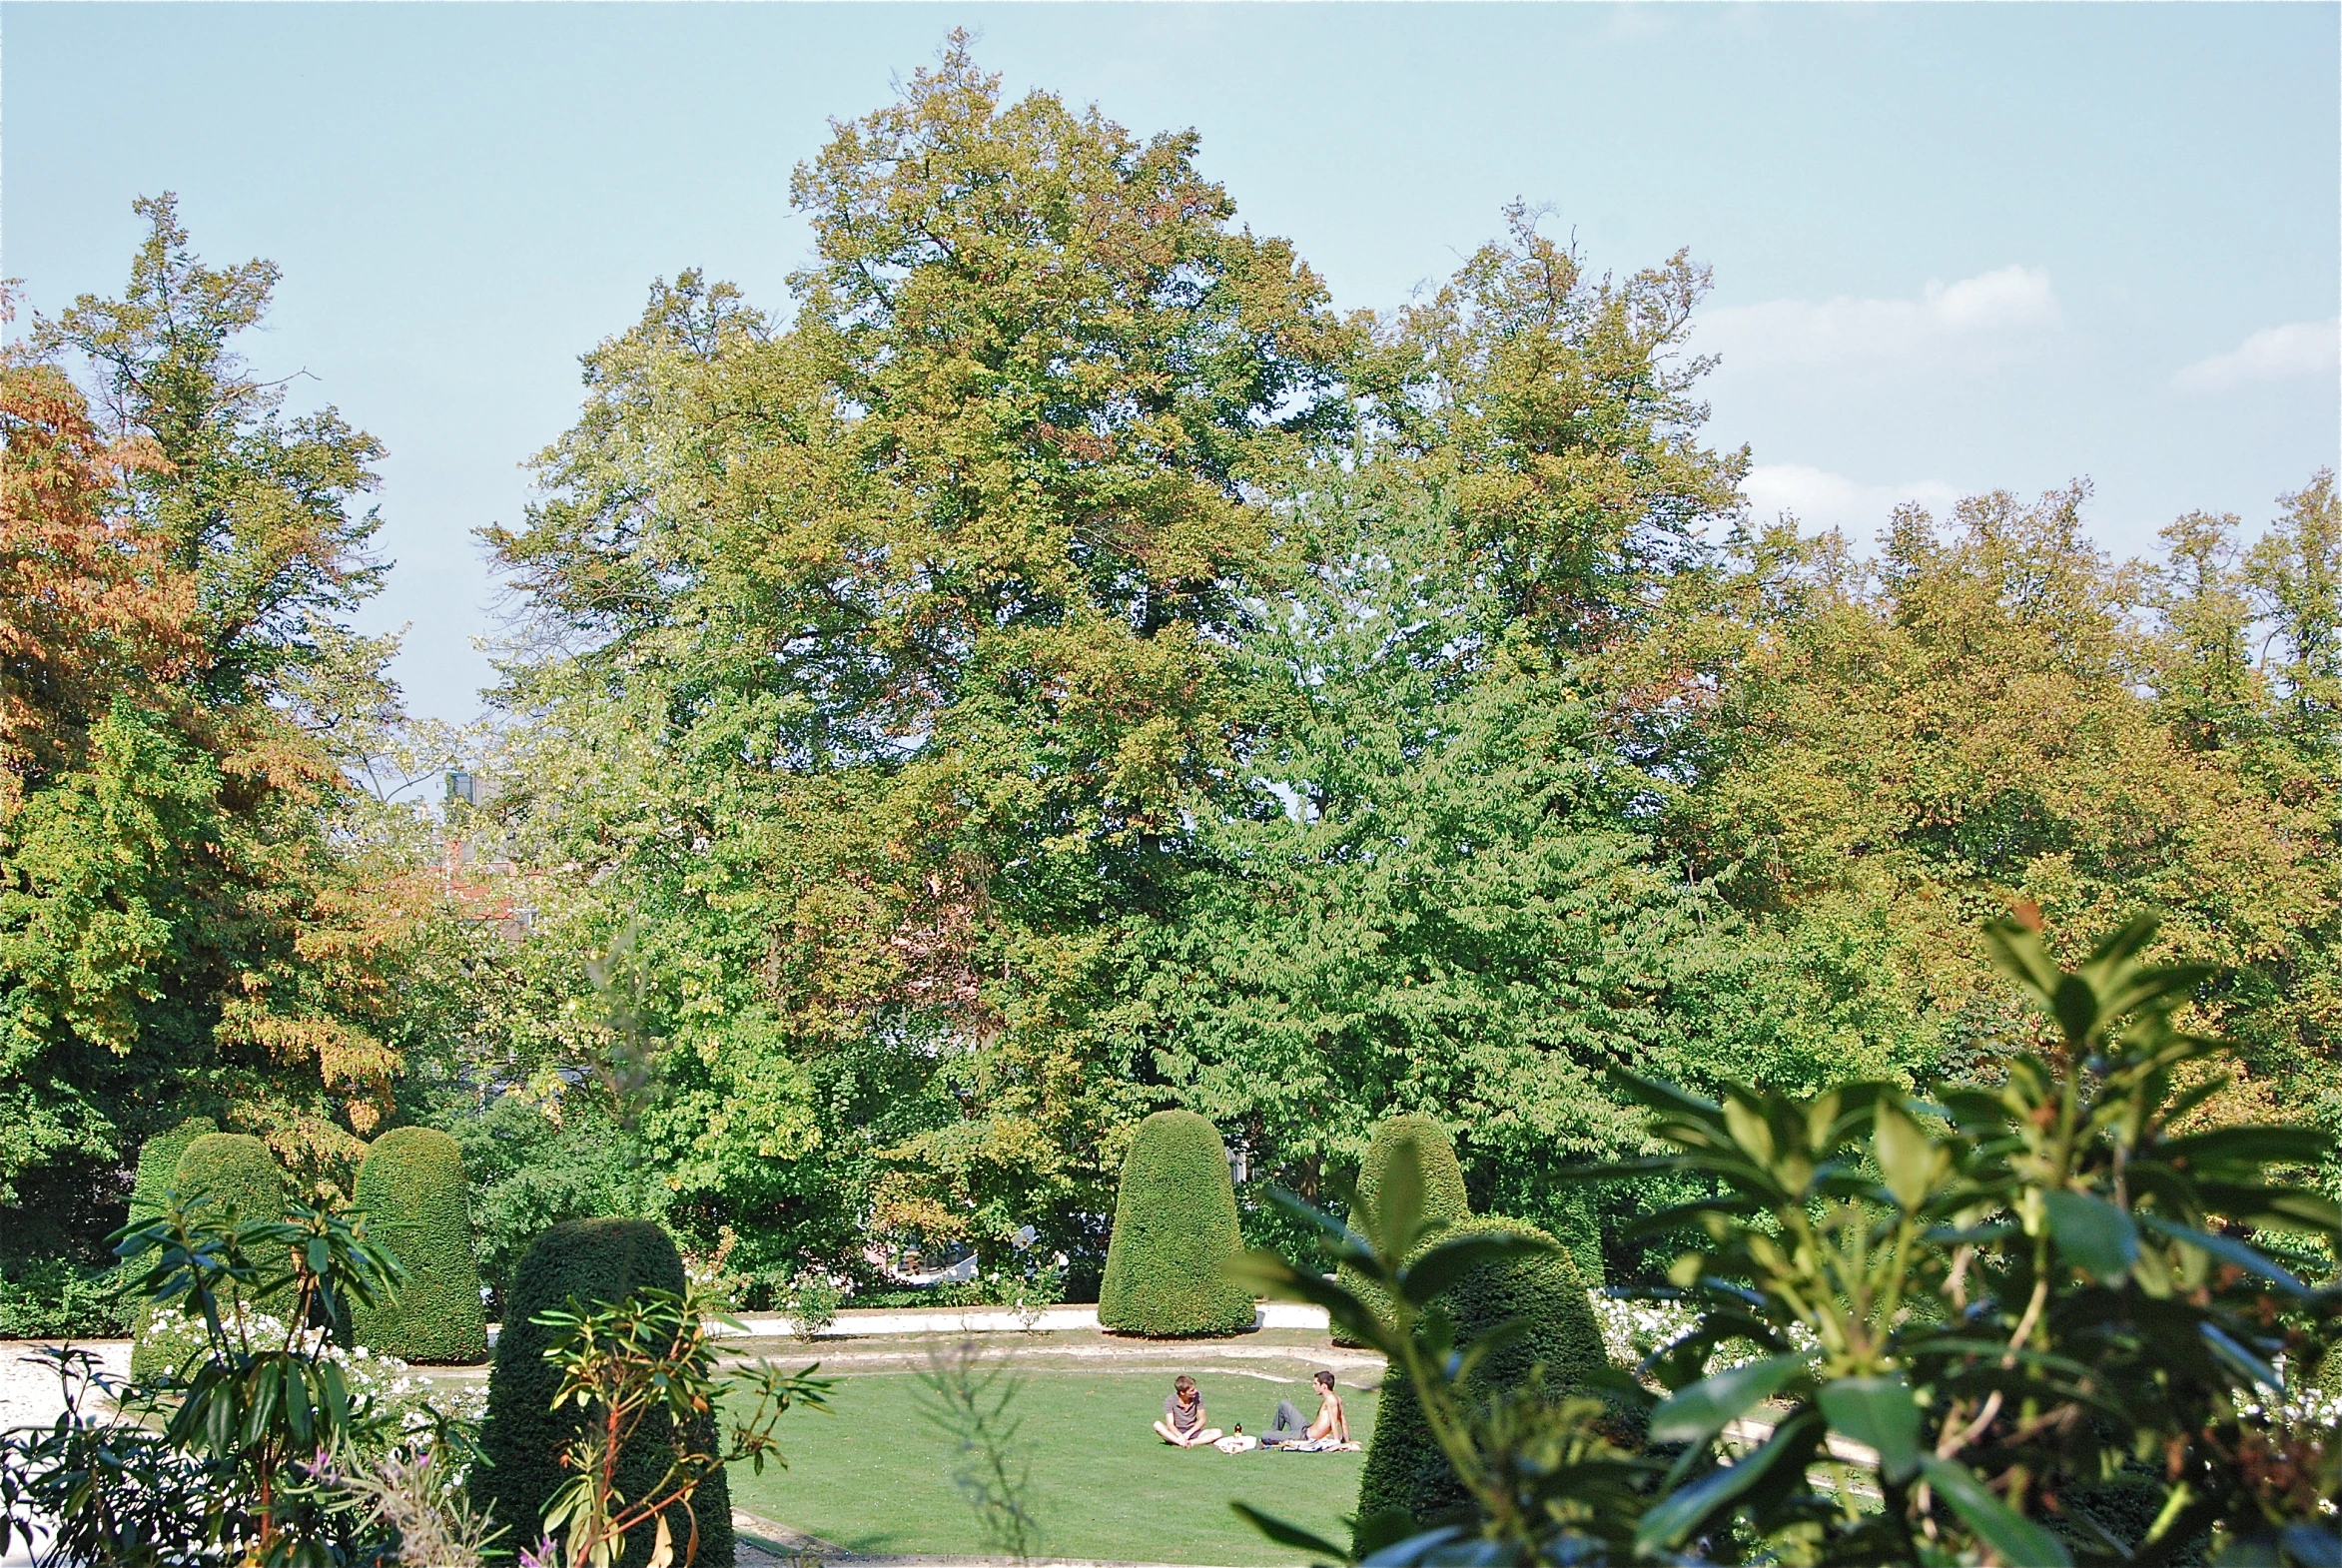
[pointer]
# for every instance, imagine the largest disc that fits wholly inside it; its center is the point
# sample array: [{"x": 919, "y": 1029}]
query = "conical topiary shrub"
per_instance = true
[
  {"x": 240, "y": 1176},
  {"x": 598, "y": 1262},
  {"x": 1579, "y": 1230},
  {"x": 157, "y": 1167},
  {"x": 1175, "y": 1231},
  {"x": 1405, "y": 1468},
  {"x": 412, "y": 1191},
  {"x": 1443, "y": 1189}
]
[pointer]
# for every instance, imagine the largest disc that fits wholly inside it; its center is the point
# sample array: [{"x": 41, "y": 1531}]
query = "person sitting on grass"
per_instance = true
[
  {"x": 1182, "y": 1425},
  {"x": 1330, "y": 1424}
]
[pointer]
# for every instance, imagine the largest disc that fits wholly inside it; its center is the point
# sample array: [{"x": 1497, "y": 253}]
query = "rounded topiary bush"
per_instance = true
[
  {"x": 1579, "y": 1230},
  {"x": 1405, "y": 1468},
  {"x": 1175, "y": 1231},
  {"x": 158, "y": 1170},
  {"x": 157, "y": 1167},
  {"x": 1443, "y": 1189},
  {"x": 412, "y": 1191},
  {"x": 596, "y": 1262},
  {"x": 241, "y": 1177},
  {"x": 236, "y": 1171}
]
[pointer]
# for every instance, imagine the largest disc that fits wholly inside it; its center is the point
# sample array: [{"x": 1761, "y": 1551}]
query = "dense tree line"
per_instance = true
[{"x": 1059, "y": 668}]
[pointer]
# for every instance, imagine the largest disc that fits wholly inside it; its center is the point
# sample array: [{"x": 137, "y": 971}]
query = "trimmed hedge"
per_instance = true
[
  {"x": 158, "y": 1166},
  {"x": 1579, "y": 1230},
  {"x": 1405, "y": 1468},
  {"x": 238, "y": 1175},
  {"x": 598, "y": 1261},
  {"x": 1175, "y": 1231},
  {"x": 412, "y": 1190},
  {"x": 1443, "y": 1190}
]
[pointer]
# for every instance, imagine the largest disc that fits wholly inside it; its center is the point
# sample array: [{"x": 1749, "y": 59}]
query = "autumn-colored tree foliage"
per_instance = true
[
  {"x": 1058, "y": 667},
  {"x": 1051, "y": 667},
  {"x": 88, "y": 606},
  {"x": 180, "y": 929},
  {"x": 928, "y": 598},
  {"x": 1990, "y": 714}
]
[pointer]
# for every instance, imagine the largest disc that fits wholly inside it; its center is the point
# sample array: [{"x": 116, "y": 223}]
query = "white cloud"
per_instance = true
[
  {"x": 1975, "y": 319},
  {"x": 1821, "y": 499},
  {"x": 2298, "y": 348}
]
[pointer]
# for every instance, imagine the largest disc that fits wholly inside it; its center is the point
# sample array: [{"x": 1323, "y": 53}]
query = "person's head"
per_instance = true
[
  {"x": 1324, "y": 1382},
  {"x": 1185, "y": 1387}
]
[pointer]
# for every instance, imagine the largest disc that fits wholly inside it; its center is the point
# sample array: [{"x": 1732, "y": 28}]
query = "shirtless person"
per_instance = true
[
  {"x": 1330, "y": 1422},
  {"x": 1183, "y": 1417}
]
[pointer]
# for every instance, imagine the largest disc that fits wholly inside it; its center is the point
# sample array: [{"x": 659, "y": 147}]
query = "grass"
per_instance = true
[{"x": 876, "y": 1476}]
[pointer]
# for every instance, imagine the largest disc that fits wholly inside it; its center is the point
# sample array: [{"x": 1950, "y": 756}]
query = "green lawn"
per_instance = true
[{"x": 876, "y": 1476}]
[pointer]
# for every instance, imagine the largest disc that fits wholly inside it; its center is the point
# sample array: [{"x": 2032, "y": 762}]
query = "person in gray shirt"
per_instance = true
[{"x": 1183, "y": 1425}]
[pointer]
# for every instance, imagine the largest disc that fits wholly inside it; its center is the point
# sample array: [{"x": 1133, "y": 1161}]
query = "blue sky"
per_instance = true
[{"x": 1955, "y": 247}]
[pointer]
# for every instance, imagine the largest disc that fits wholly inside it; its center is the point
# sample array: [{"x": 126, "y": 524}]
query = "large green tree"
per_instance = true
[
  {"x": 185, "y": 924},
  {"x": 885, "y": 653}
]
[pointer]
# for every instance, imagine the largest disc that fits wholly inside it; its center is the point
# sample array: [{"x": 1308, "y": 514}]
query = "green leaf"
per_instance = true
[
  {"x": 1664, "y": 1097},
  {"x": 2018, "y": 953},
  {"x": 2015, "y": 1539},
  {"x": 1877, "y": 1413},
  {"x": 2093, "y": 1234},
  {"x": 1911, "y": 1164},
  {"x": 2246, "y": 1146},
  {"x": 1270, "y": 1276},
  {"x": 2229, "y": 1250},
  {"x": 1411, "y": 1551},
  {"x": 2276, "y": 1207},
  {"x": 1291, "y": 1535},
  {"x": 2237, "y": 1358},
  {"x": 1381, "y": 1530},
  {"x": 1398, "y": 1208},
  {"x": 1443, "y": 1265},
  {"x": 1748, "y": 1129},
  {"x": 1682, "y": 1512},
  {"x": 1697, "y": 1413},
  {"x": 2075, "y": 1006}
]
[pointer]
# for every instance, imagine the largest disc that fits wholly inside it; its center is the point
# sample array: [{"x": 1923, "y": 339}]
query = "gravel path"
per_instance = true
[{"x": 28, "y": 1388}]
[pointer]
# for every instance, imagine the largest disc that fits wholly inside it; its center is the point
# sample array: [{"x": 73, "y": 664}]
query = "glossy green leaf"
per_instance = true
[
  {"x": 2238, "y": 1358},
  {"x": 2015, "y": 1539},
  {"x": 2018, "y": 952},
  {"x": 1291, "y": 1535},
  {"x": 2074, "y": 1002},
  {"x": 1908, "y": 1160},
  {"x": 2228, "y": 1250},
  {"x": 1699, "y": 1412},
  {"x": 1684, "y": 1511},
  {"x": 1879, "y": 1413},
  {"x": 2246, "y": 1146},
  {"x": 2093, "y": 1234},
  {"x": 1448, "y": 1262},
  {"x": 1748, "y": 1129}
]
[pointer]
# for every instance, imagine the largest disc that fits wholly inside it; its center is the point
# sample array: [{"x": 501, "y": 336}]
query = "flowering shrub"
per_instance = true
[
  {"x": 255, "y": 1442},
  {"x": 386, "y": 1395},
  {"x": 1635, "y": 1329},
  {"x": 1632, "y": 1331}
]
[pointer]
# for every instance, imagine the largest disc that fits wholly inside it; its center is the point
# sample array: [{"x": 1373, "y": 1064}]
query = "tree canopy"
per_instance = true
[{"x": 1053, "y": 667}]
